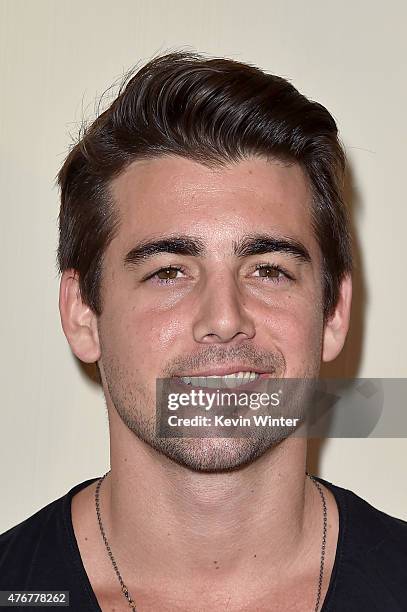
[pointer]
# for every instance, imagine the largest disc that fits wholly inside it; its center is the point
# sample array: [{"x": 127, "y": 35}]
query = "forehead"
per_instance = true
[{"x": 175, "y": 195}]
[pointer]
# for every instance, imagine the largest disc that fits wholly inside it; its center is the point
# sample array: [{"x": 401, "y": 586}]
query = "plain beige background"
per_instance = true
[{"x": 56, "y": 59}]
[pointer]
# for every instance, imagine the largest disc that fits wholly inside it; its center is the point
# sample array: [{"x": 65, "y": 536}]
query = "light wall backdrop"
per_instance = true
[{"x": 56, "y": 59}]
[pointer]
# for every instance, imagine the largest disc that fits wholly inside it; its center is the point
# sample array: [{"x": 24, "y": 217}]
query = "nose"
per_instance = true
[{"x": 222, "y": 315}]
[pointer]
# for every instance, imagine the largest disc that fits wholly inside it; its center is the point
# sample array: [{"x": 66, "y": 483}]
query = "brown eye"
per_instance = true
[
  {"x": 268, "y": 272},
  {"x": 272, "y": 273},
  {"x": 167, "y": 273}
]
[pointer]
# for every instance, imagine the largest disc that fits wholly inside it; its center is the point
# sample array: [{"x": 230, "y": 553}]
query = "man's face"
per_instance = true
[{"x": 212, "y": 271}]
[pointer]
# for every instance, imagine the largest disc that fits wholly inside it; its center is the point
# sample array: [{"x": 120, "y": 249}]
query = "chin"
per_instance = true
[{"x": 216, "y": 454}]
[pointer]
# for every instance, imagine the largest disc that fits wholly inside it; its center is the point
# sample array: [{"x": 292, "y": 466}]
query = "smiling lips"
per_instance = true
[{"x": 231, "y": 380}]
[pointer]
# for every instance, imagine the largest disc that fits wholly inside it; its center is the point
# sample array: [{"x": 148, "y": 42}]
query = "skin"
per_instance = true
[{"x": 211, "y": 523}]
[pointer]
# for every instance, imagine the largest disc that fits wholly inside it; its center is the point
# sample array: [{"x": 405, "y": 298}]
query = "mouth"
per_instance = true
[{"x": 232, "y": 380}]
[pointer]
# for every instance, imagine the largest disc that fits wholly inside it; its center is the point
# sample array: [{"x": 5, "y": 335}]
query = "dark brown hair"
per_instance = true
[{"x": 214, "y": 111}]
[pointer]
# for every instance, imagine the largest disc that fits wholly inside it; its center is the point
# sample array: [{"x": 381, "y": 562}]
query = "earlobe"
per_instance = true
[
  {"x": 336, "y": 328},
  {"x": 78, "y": 320}
]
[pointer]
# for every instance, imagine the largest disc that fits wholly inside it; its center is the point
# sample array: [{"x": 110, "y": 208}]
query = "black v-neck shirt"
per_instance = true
[{"x": 369, "y": 573}]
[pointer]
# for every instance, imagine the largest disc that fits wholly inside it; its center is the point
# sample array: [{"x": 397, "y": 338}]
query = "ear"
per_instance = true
[
  {"x": 79, "y": 322},
  {"x": 336, "y": 327}
]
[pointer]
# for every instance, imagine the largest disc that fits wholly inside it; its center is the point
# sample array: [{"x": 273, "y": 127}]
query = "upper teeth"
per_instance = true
[{"x": 229, "y": 380}]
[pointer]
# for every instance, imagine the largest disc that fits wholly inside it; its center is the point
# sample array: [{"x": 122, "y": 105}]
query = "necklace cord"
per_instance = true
[{"x": 124, "y": 588}]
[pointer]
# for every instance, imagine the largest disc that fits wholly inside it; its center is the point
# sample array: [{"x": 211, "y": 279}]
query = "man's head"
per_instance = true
[{"x": 203, "y": 214}]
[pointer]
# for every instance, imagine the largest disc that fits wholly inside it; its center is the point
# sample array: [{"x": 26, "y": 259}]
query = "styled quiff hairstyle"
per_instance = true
[{"x": 213, "y": 111}]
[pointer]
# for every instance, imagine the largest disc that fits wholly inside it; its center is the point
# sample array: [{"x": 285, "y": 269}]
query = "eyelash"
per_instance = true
[
  {"x": 166, "y": 281},
  {"x": 170, "y": 281},
  {"x": 287, "y": 277}
]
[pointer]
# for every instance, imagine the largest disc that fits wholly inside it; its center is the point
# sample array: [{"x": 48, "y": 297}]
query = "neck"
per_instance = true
[{"x": 186, "y": 526}]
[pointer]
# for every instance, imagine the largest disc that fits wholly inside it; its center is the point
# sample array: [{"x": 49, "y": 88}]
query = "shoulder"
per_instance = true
[
  {"x": 370, "y": 527},
  {"x": 371, "y": 562},
  {"x": 32, "y": 550}
]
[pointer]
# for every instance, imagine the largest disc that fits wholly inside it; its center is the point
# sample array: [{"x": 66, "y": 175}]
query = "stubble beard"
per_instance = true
[{"x": 135, "y": 405}]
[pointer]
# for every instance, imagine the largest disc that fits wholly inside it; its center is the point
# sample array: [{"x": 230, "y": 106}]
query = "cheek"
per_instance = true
[
  {"x": 297, "y": 334},
  {"x": 144, "y": 336}
]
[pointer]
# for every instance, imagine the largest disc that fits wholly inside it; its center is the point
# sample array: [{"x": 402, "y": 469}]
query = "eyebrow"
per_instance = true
[
  {"x": 259, "y": 244},
  {"x": 256, "y": 244},
  {"x": 179, "y": 245}
]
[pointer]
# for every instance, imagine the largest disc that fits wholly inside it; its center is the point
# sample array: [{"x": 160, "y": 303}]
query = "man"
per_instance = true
[{"x": 203, "y": 233}]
